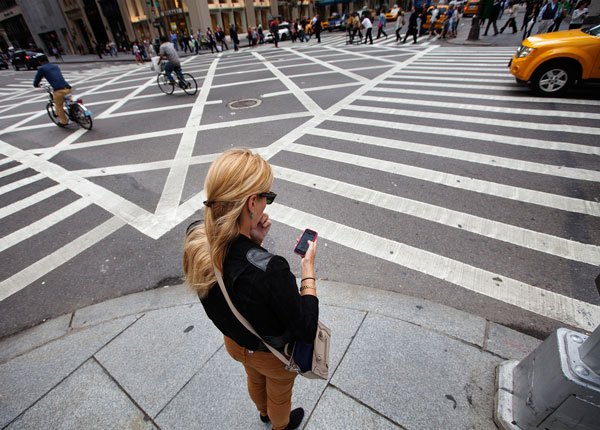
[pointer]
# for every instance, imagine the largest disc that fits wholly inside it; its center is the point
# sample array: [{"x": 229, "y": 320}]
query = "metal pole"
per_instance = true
[{"x": 589, "y": 351}]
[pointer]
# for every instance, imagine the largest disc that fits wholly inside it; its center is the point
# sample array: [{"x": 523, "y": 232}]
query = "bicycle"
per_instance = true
[
  {"x": 74, "y": 109},
  {"x": 187, "y": 84}
]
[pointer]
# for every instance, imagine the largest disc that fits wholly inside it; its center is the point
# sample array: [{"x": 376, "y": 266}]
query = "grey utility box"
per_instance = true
[{"x": 554, "y": 389}]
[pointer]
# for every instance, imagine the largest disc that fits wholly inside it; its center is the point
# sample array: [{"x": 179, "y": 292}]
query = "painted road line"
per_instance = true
[
  {"x": 298, "y": 132},
  {"x": 21, "y": 183},
  {"x": 457, "y": 154},
  {"x": 42, "y": 224},
  {"x": 495, "y": 97},
  {"x": 108, "y": 200},
  {"x": 361, "y": 55},
  {"x": 494, "y": 189},
  {"x": 330, "y": 66},
  {"x": 170, "y": 132},
  {"x": 45, "y": 265},
  {"x": 151, "y": 110},
  {"x": 399, "y": 80},
  {"x": 171, "y": 193},
  {"x": 487, "y": 137},
  {"x": 308, "y": 103},
  {"x": 307, "y": 90},
  {"x": 486, "y": 108},
  {"x": 456, "y": 87},
  {"x": 530, "y": 298},
  {"x": 31, "y": 200},
  {"x": 541, "y": 242},
  {"x": 526, "y": 125}
]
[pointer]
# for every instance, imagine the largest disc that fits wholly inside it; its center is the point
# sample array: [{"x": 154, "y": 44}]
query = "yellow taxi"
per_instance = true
[
  {"x": 309, "y": 29},
  {"x": 552, "y": 62},
  {"x": 392, "y": 14},
  {"x": 439, "y": 22},
  {"x": 471, "y": 8}
]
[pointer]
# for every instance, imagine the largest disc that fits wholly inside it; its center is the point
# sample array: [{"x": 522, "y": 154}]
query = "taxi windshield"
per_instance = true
[{"x": 592, "y": 31}]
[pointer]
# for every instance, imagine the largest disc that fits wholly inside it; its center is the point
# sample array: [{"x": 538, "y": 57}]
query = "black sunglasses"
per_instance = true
[{"x": 270, "y": 196}]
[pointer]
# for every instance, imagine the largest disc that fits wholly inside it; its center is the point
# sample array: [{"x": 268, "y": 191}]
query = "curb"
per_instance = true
[{"x": 503, "y": 408}]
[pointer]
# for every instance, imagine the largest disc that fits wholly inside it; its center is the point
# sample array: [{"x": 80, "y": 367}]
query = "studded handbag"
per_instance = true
[{"x": 308, "y": 360}]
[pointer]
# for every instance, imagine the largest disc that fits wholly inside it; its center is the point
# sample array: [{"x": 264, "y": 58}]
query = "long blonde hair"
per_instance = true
[{"x": 232, "y": 178}]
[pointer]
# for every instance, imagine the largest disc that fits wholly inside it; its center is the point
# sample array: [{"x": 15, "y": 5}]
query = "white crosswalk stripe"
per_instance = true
[{"x": 484, "y": 139}]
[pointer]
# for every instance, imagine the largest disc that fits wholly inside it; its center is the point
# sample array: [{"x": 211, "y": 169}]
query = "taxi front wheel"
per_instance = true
[{"x": 553, "y": 79}]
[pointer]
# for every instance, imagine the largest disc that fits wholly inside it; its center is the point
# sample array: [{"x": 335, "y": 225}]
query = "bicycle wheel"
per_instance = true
[
  {"x": 52, "y": 113},
  {"x": 164, "y": 84},
  {"x": 81, "y": 118},
  {"x": 190, "y": 86}
]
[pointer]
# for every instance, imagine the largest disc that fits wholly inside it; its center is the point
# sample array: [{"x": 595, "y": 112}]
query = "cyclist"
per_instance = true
[
  {"x": 59, "y": 86},
  {"x": 167, "y": 51}
]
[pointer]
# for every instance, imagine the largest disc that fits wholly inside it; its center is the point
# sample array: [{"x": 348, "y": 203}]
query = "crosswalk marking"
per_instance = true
[
  {"x": 439, "y": 75},
  {"x": 486, "y": 137},
  {"x": 595, "y": 131},
  {"x": 456, "y": 154},
  {"x": 524, "y": 195},
  {"x": 511, "y": 291},
  {"x": 541, "y": 242}
]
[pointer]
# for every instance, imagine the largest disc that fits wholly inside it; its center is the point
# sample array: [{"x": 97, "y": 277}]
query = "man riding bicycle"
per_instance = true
[
  {"x": 167, "y": 51},
  {"x": 59, "y": 86}
]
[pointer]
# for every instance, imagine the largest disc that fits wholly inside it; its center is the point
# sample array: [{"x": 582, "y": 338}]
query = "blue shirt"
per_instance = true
[{"x": 53, "y": 75}]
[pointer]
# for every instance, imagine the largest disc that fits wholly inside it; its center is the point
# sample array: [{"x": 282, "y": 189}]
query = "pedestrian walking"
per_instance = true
[
  {"x": 220, "y": 37},
  {"x": 381, "y": 25},
  {"x": 317, "y": 27},
  {"x": 260, "y": 35},
  {"x": 496, "y": 7},
  {"x": 212, "y": 43},
  {"x": 274, "y": 29},
  {"x": 260, "y": 285},
  {"x": 433, "y": 17},
  {"x": 513, "y": 10},
  {"x": 234, "y": 36},
  {"x": 564, "y": 6},
  {"x": 368, "y": 26},
  {"x": 579, "y": 15},
  {"x": 547, "y": 15},
  {"x": 356, "y": 25},
  {"x": 413, "y": 25},
  {"x": 173, "y": 38},
  {"x": 56, "y": 53},
  {"x": 531, "y": 20},
  {"x": 399, "y": 25},
  {"x": 450, "y": 23},
  {"x": 99, "y": 50}
]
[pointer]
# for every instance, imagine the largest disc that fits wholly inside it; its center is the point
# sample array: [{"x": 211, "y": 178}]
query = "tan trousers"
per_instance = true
[
  {"x": 269, "y": 384},
  {"x": 59, "y": 102}
]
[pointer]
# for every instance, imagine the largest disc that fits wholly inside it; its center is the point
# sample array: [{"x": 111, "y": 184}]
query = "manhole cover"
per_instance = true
[{"x": 244, "y": 104}]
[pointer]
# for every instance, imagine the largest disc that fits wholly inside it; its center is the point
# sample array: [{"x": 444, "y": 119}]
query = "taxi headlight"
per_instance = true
[{"x": 524, "y": 51}]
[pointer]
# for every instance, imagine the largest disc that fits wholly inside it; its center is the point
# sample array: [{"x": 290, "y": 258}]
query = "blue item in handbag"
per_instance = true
[{"x": 303, "y": 355}]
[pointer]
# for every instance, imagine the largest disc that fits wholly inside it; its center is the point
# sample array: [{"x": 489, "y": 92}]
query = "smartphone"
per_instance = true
[{"x": 302, "y": 245}]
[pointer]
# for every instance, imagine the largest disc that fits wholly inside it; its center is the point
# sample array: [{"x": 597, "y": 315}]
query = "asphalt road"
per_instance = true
[{"x": 425, "y": 169}]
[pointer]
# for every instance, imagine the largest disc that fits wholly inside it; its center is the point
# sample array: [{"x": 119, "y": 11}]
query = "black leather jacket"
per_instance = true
[{"x": 264, "y": 291}]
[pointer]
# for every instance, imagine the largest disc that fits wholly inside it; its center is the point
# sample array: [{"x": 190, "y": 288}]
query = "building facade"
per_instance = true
[
  {"x": 33, "y": 24},
  {"x": 83, "y": 26}
]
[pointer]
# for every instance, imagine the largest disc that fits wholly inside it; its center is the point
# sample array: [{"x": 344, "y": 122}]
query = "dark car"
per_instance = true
[{"x": 29, "y": 59}]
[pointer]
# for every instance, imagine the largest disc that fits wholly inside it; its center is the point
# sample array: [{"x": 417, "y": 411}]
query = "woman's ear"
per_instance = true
[{"x": 251, "y": 203}]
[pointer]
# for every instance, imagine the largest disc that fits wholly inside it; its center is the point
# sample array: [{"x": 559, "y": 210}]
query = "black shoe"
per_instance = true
[
  {"x": 296, "y": 417},
  {"x": 264, "y": 419}
]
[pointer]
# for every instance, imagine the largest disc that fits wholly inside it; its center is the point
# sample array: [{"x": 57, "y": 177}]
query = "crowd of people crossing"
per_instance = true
[{"x": 439, "y": 21}]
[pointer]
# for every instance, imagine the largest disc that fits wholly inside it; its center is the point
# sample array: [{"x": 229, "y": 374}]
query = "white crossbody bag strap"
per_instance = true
[{"x": 244, "y": 321}]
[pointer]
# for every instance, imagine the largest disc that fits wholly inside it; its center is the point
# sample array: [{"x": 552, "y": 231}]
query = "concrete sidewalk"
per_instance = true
[{"x": 154, "y": 360}]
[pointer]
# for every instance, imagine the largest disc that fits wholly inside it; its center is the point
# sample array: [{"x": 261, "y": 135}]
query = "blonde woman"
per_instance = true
[{"x": 261, "y": 285}]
